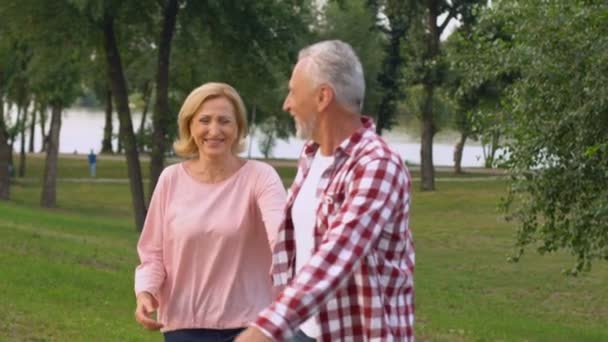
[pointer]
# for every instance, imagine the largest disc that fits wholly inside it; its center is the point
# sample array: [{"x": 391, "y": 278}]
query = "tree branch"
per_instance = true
[
  {"x": 383, "y": 29},
  {"x": 451, "y": 15}
]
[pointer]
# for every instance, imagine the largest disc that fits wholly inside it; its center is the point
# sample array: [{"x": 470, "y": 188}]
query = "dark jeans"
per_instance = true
[
  {"x": 203, "y": 335},
  {"x": 300, "y": 336}
]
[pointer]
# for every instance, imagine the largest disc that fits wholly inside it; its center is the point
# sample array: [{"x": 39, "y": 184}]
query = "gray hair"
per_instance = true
[{"x": 335, "y": 62}]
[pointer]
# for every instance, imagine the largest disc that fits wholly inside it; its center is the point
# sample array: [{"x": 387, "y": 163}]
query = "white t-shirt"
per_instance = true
[{"x": 303, "y": 214}]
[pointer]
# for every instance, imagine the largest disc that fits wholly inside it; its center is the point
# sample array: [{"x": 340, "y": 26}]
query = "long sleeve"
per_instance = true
[
  {"x": 369, "y": 201},
  {"x": 150, "y": 273},
  {"x": 271, "y": 197}
]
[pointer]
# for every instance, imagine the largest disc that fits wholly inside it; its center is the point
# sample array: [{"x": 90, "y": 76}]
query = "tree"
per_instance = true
[
  {"x": 255, "y": 43},
  {"x": 479, "y": 113},
  {"x": 96, "y": 83},
  {"x": 4, "y": 165},
  {"x": 162, "y": 112},
  {"x": 431, "y": 73},
  {"x": 48, "y": 197},
  {"x": 393, "y": 19},
  {"x": 105, "y": 17},
  {"x": 53, "y": 55},
  {"x": 42, "y": 121},
  {"x": 106, "y": 143},
  {"x": 413, "y": 105},
  {"x": 466, "y": 100},
  {"x": 55, "y": 73},
  {"x": 32, "y": 127},
  {"x": 120, "y": 93},
  {"x": 352, "y": 22},
  {"x": 52, "y": 71},
  {"x": 8, "y": 67},
  {"x": 4, "y": 147},
  {"x": 20, "y": 93},
  {"x": 22, "y": 130},
  {"x": 557, "y": 138}
]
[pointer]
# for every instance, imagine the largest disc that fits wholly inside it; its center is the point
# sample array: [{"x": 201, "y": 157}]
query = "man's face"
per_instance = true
[{"x": 301, "y": 101}]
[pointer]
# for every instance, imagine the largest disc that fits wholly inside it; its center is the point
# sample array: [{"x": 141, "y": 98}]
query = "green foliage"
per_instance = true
[
  {"x": 478, "y": 95},
  {"x": 557, "y": 135},
  {"x": 445, "y": 108},
  {"x": 394, "y": 19},
  {"x": 353, "y": 23},
  {"x": 250, "y": 45},
  {"x": 470, "y": 97},
  {"x": 52, "y": 49}
]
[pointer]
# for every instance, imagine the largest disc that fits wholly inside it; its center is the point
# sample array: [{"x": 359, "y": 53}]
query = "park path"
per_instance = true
[{"x": 287, "y": 163}]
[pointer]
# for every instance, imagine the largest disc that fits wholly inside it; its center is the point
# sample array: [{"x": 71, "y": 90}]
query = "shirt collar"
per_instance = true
[{"x": 368, "y": 126}]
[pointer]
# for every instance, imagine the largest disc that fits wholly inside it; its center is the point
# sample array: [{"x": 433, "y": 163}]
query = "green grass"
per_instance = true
[
  {"x": 467, "y": 291},
  {"x": 67, "y": 274},
  {"x": 77, "y": 166}
]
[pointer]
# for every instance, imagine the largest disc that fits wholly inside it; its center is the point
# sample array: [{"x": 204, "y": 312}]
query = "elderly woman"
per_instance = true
[{"x": 205, "y": 248}]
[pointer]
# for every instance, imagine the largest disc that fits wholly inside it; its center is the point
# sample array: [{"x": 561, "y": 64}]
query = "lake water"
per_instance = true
[{"x": 82, "y": 130}]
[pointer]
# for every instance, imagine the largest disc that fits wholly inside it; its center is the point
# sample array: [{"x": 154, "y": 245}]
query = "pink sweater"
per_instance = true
[{"x": 205, "y": 248}]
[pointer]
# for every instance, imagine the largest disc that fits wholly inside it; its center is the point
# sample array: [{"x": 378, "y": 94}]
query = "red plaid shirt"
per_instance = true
[{"x": 359, "y": 281}]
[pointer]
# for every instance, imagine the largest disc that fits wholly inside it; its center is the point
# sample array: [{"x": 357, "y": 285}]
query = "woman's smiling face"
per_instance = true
[{"x": 214, "y": 128}]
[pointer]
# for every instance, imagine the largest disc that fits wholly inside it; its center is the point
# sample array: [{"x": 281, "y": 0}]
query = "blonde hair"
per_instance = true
[{"x": 185, "y": 146}]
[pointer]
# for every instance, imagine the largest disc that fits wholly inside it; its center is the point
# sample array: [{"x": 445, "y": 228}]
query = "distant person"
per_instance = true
[
  {"x": 92, "y": 163},
  {"x": 205, "y": 248},
  {"x": 344, "y": 253}
]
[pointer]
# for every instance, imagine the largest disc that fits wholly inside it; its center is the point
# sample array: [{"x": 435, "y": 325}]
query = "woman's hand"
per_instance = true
[{"x": 146, "y": 305}]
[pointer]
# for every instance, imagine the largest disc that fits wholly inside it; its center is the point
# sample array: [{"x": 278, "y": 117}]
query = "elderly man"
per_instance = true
[{"x": 344, "y": 257}]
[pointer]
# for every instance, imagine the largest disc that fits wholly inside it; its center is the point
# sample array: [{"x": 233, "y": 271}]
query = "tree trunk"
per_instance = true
[
  {"x": 30, "y": 148},
  {"x": 119, "y": 148},
  {"x": 11, "y": 141},
  {"x": 427, "y": 170},
  {"x": 458, "y": 153},
  {"x": 48, "y": 198},
  {"x": 147, "y": 96},
  {"x": 119, "y": 91},
  {"x": 22, "y": 129},
  {"x": 106, "y": 144},
  {"x": 389, "y": 80},
  {"x": 428, "y": 118},
  {"x": 161, "y": 115},
  {"x": 43, "y": 133},
  {"x": 4, "y": 156},
  {"x": 491, "y": 155}
]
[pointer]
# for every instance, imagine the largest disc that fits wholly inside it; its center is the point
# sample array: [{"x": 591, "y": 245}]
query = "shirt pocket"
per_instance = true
[{"x": 330, "y": 206}]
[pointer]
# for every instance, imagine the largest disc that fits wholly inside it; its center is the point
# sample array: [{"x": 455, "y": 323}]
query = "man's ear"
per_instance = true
[{"x": 324, "y": 97}]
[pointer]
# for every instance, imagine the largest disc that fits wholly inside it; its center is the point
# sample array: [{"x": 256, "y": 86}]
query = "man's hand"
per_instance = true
[
  {"x": 146, "y": 305},
  {"x": 253, "y": 334}
]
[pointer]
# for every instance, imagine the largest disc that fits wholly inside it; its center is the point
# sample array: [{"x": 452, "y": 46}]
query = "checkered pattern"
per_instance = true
[{"x": 359, "y": 280}]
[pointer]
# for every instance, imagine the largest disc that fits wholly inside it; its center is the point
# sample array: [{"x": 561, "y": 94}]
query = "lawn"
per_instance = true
[{"x": 66, "y": 274}]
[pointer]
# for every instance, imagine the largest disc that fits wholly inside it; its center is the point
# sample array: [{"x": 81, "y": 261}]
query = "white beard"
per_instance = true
[{"x": 304, "y": 129}]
